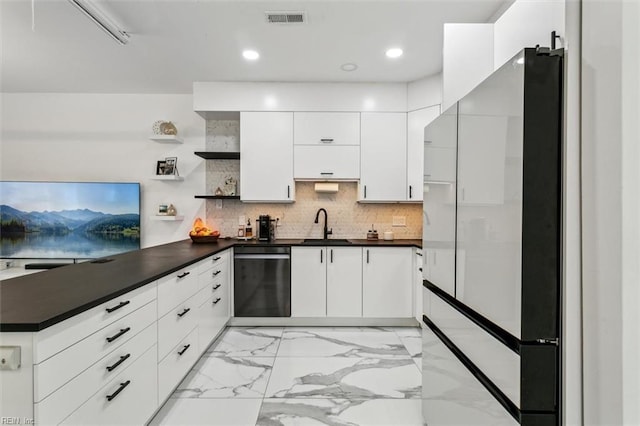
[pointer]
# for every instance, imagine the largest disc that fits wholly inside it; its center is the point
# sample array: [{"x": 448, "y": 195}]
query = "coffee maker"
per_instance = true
[{"x": 266, "y": 228}]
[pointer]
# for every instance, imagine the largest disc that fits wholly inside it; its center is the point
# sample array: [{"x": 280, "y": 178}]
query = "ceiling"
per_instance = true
[{"x": 176, "y": 42}]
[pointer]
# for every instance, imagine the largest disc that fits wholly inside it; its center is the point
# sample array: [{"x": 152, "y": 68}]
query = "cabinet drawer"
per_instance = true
[
  {"x": 218, "y": 260},
  {"x": 174, "y": 366},
  {"x": 59, "y": 369},
  {"x": 213, "y": 277},
  {"x": 213, "y": 315},
  {"x": 57, "y": 406},
  {"x": 175, "y": 288},
  {"x": 176, "y": 324},
  {"x": 451, "y": 395},
  {"x": 326, "y": 162},
  {"x": 129, "y": 399},
  {"x": 56, "y": 338},
  {"x": 326, "y": 128}
]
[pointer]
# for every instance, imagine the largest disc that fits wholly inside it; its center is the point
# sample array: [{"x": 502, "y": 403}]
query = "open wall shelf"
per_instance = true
[
  {"x": 219, "y": 197},
  {"x": 209, "y": 155},
  {"x": 166, "y": 139}
]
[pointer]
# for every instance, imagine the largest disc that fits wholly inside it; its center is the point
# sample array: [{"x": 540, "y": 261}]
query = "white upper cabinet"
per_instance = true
[
  {"x": 266, "y": 156},
  {"x": 383, "y": 157},
  {"x": 416, "y": 122},
  {"x": 326, "y": 162},
  {"x": 326, "y": 128}
]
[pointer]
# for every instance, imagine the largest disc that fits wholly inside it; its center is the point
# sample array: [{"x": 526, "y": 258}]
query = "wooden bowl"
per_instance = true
[{"x": 204, "y": 239}]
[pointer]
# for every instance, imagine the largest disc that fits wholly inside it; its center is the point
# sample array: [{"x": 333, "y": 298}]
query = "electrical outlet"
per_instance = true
[
  {"x": 399, "y": 221},
  {"x": 218, "y": 204}
]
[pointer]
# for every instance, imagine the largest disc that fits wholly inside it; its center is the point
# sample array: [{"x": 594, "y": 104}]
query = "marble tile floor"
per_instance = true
[{"x": 281, "y": 376}]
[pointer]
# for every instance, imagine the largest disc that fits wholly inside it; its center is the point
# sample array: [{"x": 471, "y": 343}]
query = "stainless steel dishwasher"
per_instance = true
[{"x": 262, "y": 281}]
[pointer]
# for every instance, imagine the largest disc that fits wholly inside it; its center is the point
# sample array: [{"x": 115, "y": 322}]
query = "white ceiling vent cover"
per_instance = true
[{"x": 286, "y": 17}]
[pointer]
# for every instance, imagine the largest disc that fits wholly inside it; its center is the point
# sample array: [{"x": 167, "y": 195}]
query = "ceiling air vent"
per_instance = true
[{"x": 285, "y": 17}]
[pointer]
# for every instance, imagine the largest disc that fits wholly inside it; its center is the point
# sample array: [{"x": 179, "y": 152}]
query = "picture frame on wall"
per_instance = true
[{"x": 171, "y": 166}]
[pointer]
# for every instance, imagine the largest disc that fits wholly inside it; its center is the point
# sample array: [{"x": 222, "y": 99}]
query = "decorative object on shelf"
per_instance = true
[
  {"x": 168, "y": 128},
  {"x": 372, "y": 235},
  {"x": 388, "y": 235},
  {"x": 201, "y": 233},
  {"x": 156, "y": 127},
  {"x": 230, "y": 186},
  {"x": 163, "y": 210},
  {"x": 171, "y": 210},
  {"x": 171, "y": 166},
  {"x": 160, "y": 167},
  {"x": 218, "y": 192}
]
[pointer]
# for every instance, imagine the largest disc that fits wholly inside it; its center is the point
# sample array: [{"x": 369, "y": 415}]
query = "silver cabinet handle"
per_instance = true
[
  {"x": 367, "y": 255},
  {"x": 321, "y": 256},
  {"x": 326, "y": 140},
  {"x": 331, "y": 255},
  {"x": 326, "y": 173}
]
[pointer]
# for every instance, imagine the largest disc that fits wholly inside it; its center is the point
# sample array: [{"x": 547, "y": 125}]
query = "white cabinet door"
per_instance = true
[
  {"x": 308, "y": 281},
  {"x": 266, "y": 156},
  {"x": 326, "y": 128},
  {"x": 327, "y": 162},
  {"x": 344, "y": 282},
  {"x": 383, "y": 157},
  {"x": 387, "y": 278},
  {"x": 416, "y": 122}
]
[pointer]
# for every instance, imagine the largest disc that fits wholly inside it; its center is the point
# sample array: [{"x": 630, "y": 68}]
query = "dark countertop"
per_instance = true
[{"x": 37, "y": 301}]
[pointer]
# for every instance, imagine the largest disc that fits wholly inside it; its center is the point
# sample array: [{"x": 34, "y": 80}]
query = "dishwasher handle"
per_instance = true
[{"x": 262, "y": 256}]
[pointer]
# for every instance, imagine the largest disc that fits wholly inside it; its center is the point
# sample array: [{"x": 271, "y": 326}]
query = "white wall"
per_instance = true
[
  {"x": 467, "y": 59},
  {"x": 611, "y": 186},
  {"x": 571, "y": 224},
  {"x": 425, "y": 92},
  {"x": 105, "y": 137},
  {"x": 525, "y": 24}
]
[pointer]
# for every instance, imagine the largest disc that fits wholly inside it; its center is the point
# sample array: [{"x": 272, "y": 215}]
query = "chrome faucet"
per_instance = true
[{"x": 326, "y": 231}]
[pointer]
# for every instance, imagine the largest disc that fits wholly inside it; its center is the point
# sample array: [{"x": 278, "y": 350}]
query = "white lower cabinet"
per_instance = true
[
  {"x": 326, "y": 282},
  {"x": 130, "y": 398},
  {"x": 339, "y": 282},
  {"x": 387, "y": 277},
  {"x": 61, "y": 403},
  {"x": 344, "y": 282},
  {"x": 308, "y": 282},
  {"x": 176, "y": 364}
]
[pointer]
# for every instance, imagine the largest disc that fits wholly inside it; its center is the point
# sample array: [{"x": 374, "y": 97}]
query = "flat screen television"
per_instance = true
[{"x": 68, "y": 220}]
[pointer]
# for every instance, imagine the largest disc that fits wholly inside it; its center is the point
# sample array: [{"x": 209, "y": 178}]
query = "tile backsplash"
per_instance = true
[{"x": 347, "y": 217}]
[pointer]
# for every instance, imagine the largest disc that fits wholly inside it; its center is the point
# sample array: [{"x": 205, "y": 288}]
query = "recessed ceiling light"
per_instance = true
[
  {"x": 394, "y": 52},
  {"x": 520, "y": 61},
  {"x": 349, "y": 67},
  {"x": 250, "y": 55}
]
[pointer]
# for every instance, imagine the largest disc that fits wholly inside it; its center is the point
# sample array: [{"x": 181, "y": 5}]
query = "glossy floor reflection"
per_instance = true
[{"x": 273, "y": 376}]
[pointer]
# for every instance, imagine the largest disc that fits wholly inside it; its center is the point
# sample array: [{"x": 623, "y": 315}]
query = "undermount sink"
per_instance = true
[{"x": 328, "y": 242}]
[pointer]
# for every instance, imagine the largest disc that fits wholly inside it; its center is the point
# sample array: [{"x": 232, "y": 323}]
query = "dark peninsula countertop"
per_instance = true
[{"x": 37, "y": 301}]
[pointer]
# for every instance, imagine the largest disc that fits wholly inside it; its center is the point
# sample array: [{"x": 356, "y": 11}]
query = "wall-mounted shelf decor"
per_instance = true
[
  {"x": 167, "y": 177},
  {"x": 218, "y": 197},
  {"x": 166, "y": 139},
  {"x": 209, "y": 155},
  {"x": 167, "y": 218}
]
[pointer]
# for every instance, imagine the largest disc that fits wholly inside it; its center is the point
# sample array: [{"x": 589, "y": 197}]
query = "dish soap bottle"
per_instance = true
[{"x": 248, "y": 232}]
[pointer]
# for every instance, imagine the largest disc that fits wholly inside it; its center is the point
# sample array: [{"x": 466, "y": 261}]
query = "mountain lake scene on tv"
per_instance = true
[{"x": 79, "y": 233}]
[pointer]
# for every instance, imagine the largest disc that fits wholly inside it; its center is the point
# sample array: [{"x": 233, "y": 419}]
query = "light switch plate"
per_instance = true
[
  {"x": 218, "y": 204},
  {"x": 399, "y": 221},
  {"x": 9, "y": 357}
]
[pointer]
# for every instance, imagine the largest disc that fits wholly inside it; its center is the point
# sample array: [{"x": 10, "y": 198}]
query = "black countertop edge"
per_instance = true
[{"x": 17, "y": 292}]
